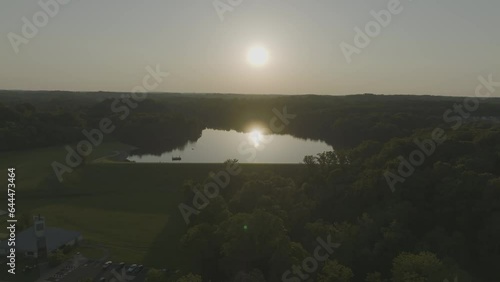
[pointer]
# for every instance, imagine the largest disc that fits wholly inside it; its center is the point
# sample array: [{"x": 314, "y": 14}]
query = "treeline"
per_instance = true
[
  {"x": 167, "y": 121},
  {"x": 151, "y": 127},
  {"x": 23, "y": 127}
]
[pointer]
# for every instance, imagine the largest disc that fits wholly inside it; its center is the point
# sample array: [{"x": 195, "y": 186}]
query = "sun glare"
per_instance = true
[
  {"x": 256, "y": 137},
  {"x": 258, "y": 56}
]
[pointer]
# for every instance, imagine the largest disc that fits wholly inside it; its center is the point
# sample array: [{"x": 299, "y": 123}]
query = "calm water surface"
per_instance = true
[{"x": 216, "y": 146}]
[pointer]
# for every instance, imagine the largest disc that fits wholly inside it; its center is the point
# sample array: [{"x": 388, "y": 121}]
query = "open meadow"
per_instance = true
[{"x": 130, "y": 209}]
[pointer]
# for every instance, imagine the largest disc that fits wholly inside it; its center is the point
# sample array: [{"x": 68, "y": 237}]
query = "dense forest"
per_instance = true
[
  {"x": 444, "y": 222},
  {"x": 440, "y": 222},
  {"x": 38, "y": 119}
]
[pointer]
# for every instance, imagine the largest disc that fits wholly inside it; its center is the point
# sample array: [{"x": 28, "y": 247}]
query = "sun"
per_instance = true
[{"x": 258, "y": 56}]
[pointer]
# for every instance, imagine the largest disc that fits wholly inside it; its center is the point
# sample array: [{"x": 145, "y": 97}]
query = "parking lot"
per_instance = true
[
  {"x": 80, "y": 268},
  {"x": 95, "y": 270}
]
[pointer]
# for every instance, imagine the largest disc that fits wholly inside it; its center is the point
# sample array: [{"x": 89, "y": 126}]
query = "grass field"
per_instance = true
[
  {"x": 34, "y": 165},
  {"x": 129, "y": 208}
]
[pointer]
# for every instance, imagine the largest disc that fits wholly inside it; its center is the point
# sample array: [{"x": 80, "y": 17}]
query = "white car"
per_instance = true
[
  {"x": 131, "y": 268},
  {"x": 106, "y": 264}
]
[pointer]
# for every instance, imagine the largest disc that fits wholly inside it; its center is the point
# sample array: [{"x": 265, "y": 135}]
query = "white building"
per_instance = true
[{"x": 39, "y": 240}]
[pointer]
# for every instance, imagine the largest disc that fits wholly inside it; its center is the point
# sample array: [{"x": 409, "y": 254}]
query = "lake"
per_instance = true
[{"x": 216, "y": 146}]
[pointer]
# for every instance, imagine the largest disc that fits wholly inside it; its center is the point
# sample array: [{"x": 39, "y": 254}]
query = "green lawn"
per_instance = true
[
  {"x": 92, "y": 253},
  {"x": 33, "y": 166},
  {"x": 129, "y": 208}
]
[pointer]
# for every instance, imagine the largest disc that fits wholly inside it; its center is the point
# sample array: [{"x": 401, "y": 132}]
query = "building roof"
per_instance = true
[{"x": 56, "y": 237}]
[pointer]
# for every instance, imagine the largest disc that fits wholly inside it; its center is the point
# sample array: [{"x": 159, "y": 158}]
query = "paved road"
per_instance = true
[
  {"x": 79, "y": 268},
  {"x": 61, "y": 270},
  {"x": 74, "y": 270},
  {"x": 95, "y": 271}
]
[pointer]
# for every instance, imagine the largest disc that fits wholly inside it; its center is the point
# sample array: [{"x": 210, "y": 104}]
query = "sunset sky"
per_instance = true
[{"x": 430, "y": 47}]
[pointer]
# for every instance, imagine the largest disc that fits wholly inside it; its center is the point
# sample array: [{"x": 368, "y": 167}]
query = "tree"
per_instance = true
[
  {"x": 333, "y": 271},
  {"x": 231, "y": 162},
  {"x": 374, "y": 277},
  {"x": 190, "y": 278},
  {"x": 421, "y": 267},
  {"x": 156, "y": 275},
  {"x": 201, "y": 240},
  {"x": 252, "y": 236},
  {"x": 252, "y": 276},
  {"x": 248, "y": 240}
]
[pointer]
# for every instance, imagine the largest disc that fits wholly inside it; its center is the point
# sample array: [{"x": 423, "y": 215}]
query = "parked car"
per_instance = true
[
  {"x": 131, "y": 268},
  {"x": 139, "y": 268},
  {"x": 121, "y": 265},
  {"x": 107, "y": 264}
]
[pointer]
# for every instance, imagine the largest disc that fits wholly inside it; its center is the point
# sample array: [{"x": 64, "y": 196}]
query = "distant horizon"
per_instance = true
[{"x": 249, "y": 94}]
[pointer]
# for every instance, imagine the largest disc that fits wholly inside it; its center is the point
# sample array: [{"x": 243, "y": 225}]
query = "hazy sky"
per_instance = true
[{"x": 431, "y": 47}]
